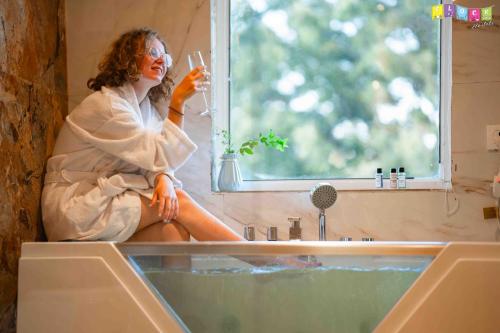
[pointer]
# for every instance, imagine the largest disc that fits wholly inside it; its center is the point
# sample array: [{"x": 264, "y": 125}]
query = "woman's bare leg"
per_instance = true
[
  {"x": 153, "y": 229},
  {"x": 201, "y": 223},
  {"x": 195, "y": 219},
  {"x": 161, "y": 232},
  {"x": 165, "y": 232},
  {"x": 149, "y": 215}
]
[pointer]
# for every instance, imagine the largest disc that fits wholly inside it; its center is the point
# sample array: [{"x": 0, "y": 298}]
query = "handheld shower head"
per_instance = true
[{"x": 323, "y": 196}]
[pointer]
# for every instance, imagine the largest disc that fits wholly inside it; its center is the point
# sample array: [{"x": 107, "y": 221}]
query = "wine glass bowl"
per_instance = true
[{"x": 195, "y": 59}]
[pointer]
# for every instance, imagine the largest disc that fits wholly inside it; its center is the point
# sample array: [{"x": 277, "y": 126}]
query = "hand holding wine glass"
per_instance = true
[{"x": 195, "y": 59}]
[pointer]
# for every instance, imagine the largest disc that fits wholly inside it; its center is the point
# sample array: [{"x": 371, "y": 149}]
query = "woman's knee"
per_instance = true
[
  {"x": 162, "y": 232},
  {"x": 149, "y": 215},
  {"x": 181, "y": 194}
]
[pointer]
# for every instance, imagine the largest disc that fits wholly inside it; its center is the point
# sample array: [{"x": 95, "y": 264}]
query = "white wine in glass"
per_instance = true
[{"x": 195, "y": 59}]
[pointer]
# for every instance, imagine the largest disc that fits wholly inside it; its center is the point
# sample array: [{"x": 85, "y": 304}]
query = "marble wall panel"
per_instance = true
[
  {"x": 476, "y": 50},
  {"x": 479, "y": 103},
  {"x": 33, "y": 102}
]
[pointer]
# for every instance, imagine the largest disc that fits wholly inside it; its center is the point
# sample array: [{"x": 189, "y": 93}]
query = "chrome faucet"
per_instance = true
[
  {"x": 295, "y": 232},
  {"x": 249, "y": 232},
  {"x": 272, "y": 233}
]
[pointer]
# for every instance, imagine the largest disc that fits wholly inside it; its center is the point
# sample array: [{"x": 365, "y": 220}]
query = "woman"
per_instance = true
[{"x": 111, "y": 176}]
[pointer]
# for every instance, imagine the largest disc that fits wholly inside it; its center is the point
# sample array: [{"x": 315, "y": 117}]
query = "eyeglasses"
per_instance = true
[{"x": 155, "y": 54}]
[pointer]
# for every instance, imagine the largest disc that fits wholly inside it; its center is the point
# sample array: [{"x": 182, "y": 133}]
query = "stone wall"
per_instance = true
[{"x": 33, "y": 103}]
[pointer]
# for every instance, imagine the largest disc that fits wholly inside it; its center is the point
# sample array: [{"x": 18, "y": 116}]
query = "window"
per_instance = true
[{"x": 354, "y": 85}]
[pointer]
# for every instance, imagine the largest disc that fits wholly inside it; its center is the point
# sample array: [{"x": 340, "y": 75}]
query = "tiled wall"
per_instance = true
[
  {"x": 33, "y": 102},
  {"x": 409, "y": 215}
]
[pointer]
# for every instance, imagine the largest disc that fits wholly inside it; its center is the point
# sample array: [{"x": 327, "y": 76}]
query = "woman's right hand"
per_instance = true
[
  {"x": 194, "y": 81},
  {"x": 164, "y": 194}
]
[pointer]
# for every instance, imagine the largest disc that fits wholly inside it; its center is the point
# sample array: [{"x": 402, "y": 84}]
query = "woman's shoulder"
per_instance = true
[
  {"x": 120, "y": 98},
  {"x": 103, "y": 100},
  {"x": 97, "y": 100},
  {"x": 92, "y": 111}
]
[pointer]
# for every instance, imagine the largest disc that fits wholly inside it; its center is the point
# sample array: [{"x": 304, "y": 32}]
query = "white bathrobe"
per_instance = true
[{"x": 108, "y": 153}]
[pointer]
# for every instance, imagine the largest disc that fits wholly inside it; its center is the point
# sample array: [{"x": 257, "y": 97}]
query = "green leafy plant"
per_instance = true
[{"x": 269, "y": 140}]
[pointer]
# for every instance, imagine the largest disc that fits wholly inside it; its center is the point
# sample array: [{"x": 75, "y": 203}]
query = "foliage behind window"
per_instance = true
[{"x": 354, "y": 85}]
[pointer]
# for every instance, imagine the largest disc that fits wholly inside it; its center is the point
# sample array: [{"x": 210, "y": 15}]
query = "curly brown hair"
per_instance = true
[{"x": 121, "y": 63}]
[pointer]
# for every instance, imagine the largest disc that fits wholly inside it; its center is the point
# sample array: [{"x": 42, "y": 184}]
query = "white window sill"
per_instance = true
[{"x": 339, "y": 184}]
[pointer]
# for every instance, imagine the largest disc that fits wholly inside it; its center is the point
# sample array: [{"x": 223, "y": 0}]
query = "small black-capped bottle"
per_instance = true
[
  {"x": 379, "y": 178},
  {"x": 393, "y": 178},
  {"x": 401, "y": 178}
]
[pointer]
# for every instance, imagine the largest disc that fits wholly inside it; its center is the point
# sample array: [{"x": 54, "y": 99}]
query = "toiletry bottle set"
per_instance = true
[{"x": 397, "y": 178}]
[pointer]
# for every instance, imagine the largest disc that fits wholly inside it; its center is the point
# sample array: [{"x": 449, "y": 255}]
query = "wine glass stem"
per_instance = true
[{"x": 205, "y": 100}]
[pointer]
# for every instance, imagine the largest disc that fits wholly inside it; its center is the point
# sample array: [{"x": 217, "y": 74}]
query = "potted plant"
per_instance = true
[{"x": 230, "y": 175}]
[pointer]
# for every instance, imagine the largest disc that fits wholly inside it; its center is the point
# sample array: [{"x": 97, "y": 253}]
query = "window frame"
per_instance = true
[{"x": 220, "y": 47}]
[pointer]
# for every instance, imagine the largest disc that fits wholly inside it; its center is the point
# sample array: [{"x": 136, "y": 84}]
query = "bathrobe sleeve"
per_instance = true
[
  {"x": 111, "y": 124},
  {"x": 151, "y": 177}
]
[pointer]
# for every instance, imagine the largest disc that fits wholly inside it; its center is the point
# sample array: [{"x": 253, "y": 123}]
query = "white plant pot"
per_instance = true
[{"x": 230, "y": 175}]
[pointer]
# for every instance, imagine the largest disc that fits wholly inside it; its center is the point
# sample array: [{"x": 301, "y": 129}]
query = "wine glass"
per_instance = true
[{"x": 195, "y": 59}]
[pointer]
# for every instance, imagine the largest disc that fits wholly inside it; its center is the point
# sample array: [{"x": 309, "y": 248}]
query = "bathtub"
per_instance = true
[{"x": 259, "y": 287}]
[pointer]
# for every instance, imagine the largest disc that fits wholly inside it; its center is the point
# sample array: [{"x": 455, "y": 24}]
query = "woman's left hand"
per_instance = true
[
  {"x": 164, "y": 194},
  {"x": 196, "y": 80}
]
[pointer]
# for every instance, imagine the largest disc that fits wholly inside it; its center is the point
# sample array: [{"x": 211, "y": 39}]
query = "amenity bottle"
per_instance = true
[
  {"x": 401, "y": 178},
  {"x": 379, "y": 178}
]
